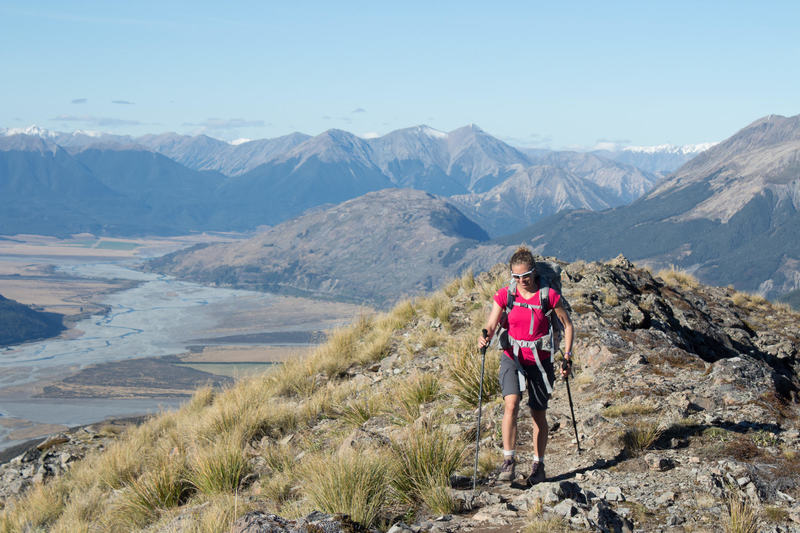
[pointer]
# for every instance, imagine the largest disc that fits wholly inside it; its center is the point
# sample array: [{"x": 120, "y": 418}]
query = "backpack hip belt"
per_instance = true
[{"x": 534, "y": 346}]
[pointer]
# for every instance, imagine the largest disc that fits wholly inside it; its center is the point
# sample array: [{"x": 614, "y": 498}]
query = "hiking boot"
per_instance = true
[
  {"x": 537, "y": 474},
  {"x": 507, "y": 470}
]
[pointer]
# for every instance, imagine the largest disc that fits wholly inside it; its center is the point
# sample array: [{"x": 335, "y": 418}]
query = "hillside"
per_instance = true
[
  {"x": 20, "y": 323},
  {"x": 686, "y": 400},
  {"x": 373, "y": 249}
]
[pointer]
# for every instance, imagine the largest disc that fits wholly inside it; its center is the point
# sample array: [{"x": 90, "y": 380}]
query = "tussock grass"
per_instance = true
[
  {"x": 354, "y": 484},
  {"x": 641, "y": 436},
  {"x": 377, "y": 347},
  {"x": 452, "y": 287},
  {"x": 749, "y": 300},
  {"x": 215, "y": 514},
  {"x": 438, "y": 497},
  {"x": 415, "y": 391},
  {"x": 119, "y": 465},
  {"x": 424, "y": 459},
  {"x": 626, "y": 409},
  {"x": 278, "y": 489},
  {"x": 468, "y": 279},
  {"x": 278, "y": 457},
  {"x": 399, "y": 317},
  {"x": 218, "y": 467},
  {"x": 611, "y": 299},
  {"x": 675, "y": 277},
  {"x": 357, "y": 411},
  {"x": 42, "y": 506},
  {"x": 742, "y": 517},
  {"x": 82, "y": 509},
  {"x": 489, "y": 286},
  {"x": 202, "y": 398},
  {"x": 554, "y": 524},
  {"x": 141, "y": 502},
  {"x": 463, "y": 366},
  {"x": 440, "y": 308},
  {"x": 431, "y": 338}
]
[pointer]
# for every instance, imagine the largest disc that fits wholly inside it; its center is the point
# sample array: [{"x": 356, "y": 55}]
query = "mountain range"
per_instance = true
[
  {"x": 173, "y": 184},
  {"x": 730, "y": 216}
]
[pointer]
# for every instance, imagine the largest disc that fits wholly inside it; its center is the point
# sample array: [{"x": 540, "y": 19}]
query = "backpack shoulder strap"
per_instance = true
[
  {"x": 544, "y": 299},
  {"x": 511, "y": 295}
]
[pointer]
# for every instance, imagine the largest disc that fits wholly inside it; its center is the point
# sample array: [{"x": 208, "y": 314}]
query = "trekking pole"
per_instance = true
[
  {"x": 568, "y": 367},
  {"x": 480, "y": 401}
]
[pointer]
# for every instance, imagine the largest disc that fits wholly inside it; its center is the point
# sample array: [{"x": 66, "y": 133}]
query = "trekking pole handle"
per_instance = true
[
  {"x": 485, "y": 336},
  {"x": 566, "y": 365}
]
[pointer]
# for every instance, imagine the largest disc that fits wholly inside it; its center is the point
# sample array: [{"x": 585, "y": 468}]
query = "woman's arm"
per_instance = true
[{"x": 563, "y": 316}]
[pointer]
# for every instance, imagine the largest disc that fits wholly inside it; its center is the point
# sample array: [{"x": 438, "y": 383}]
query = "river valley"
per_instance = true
[{"x": 158, "y": 339}]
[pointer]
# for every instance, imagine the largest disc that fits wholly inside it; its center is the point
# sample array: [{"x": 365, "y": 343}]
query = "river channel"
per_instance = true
[{"x": 159, "y": 316}]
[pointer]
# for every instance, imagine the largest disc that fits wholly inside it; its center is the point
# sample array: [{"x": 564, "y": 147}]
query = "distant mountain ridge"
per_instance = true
[{"x": 206, "y": 184}]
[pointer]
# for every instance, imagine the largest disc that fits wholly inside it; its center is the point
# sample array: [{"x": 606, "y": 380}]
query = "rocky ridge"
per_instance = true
[{"x": 686, "y": 399}]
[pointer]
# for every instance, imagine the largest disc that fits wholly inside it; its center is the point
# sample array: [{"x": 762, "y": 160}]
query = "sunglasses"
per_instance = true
[{"x": 523, "y": 275}]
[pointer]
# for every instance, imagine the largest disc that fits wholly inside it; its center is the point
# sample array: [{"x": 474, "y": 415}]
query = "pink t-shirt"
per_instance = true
[{"x": 519, "y": 322}]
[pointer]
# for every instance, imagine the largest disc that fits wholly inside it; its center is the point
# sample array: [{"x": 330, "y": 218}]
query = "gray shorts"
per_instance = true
[{"x": 537, "y": 392}]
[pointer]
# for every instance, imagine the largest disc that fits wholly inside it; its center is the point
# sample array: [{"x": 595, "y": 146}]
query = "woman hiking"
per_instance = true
[{"x": 527, "y": 324}]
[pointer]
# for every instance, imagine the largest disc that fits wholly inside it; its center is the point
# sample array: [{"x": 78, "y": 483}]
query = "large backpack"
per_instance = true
[{"x": 549, "y": 274}]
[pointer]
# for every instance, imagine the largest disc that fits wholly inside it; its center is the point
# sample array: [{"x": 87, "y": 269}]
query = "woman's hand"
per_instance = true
[
  {"x": 566, "y": 365},
  {"x": 483, "y": 341}
]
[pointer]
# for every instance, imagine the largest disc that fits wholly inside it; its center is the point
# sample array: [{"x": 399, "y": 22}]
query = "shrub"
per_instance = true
[
  {"x": 463, "y": 365},
  {"x": 353, "y": 484}
]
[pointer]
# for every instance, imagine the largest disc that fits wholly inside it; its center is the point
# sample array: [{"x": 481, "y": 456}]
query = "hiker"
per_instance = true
[{"x": 527, "y": 322}]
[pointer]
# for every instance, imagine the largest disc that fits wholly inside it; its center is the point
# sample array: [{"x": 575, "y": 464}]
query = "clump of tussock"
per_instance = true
[
  {"x": 42, "y": 506},
  {"x": 463, "y": 366},
  {"x": 141, "y": 502},
  {"x": 439, "y": 307},
  {"x": 417, "y": 390},
  {"x": 398, "y": 317},
  {"x": 742, "y": 517},
  {"x": 423, "y": 460},
  {"x": 678, "y": 278},
  {"x": 641, "y": 436},
  {"x": 490, "y": 284},
  {"x": 749, "y": 300},
  {"x": 359, "y": 410},
  {"x": 218, "y": 467},
  {"x": 353, "y": 484}
]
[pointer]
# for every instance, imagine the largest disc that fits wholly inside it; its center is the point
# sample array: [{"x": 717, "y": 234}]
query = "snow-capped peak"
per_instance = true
[
  {"x": 237, "y": 142},
  {"x": 30, "y": 130},
  {"x": 685, "y": 149},
  {"x": 430, "y": 132}
]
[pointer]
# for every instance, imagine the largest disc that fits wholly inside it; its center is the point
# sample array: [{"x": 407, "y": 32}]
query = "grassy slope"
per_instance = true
[{"x": 227, "y": 450}]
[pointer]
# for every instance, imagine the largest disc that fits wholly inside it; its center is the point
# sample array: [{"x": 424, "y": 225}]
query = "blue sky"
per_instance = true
[{"x": 557, "y": 75}]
